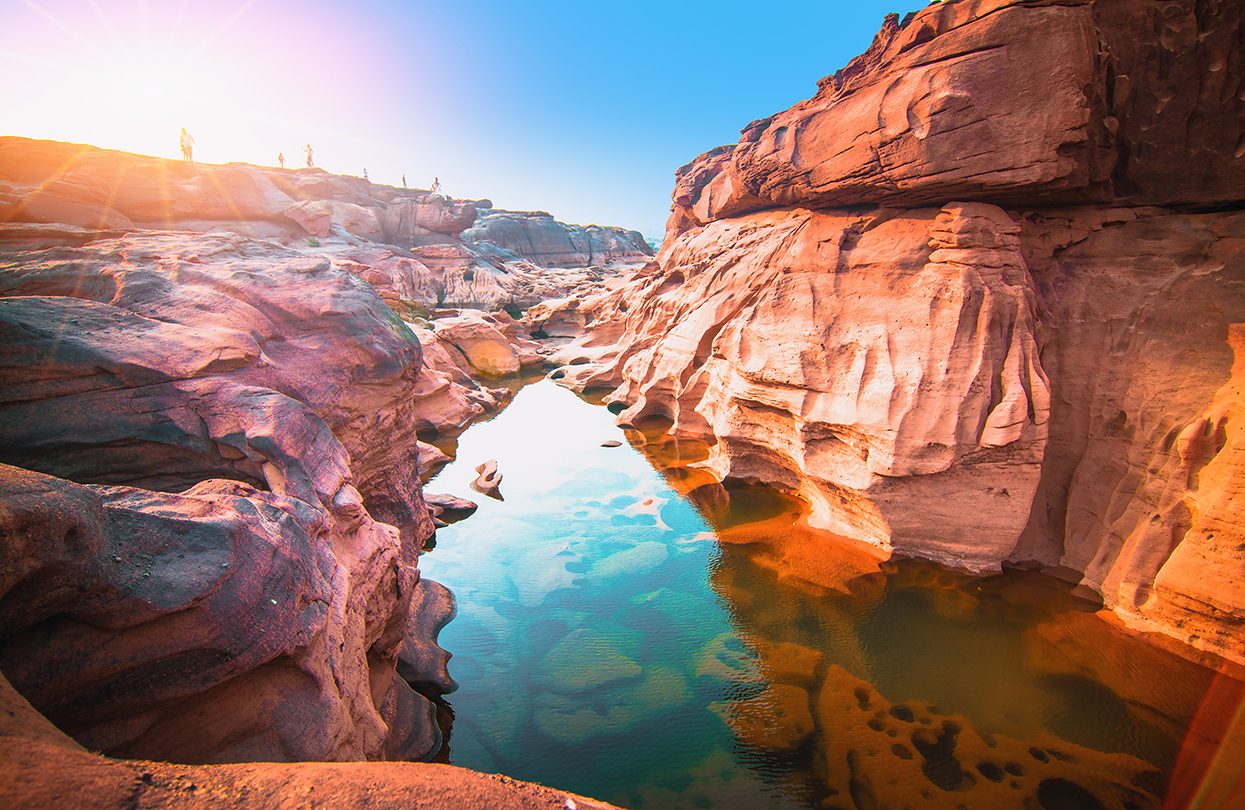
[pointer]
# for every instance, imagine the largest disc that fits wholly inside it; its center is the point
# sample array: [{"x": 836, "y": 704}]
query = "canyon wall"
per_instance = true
[
  {"x": 210, "y": 502},
  {"x": 980, "y": 299}
]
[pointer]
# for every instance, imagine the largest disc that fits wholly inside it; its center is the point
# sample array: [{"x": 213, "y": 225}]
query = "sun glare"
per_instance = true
[{"x": 247, "y": 81}]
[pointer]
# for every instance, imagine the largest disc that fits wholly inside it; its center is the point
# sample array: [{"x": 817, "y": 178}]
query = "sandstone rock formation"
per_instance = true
[
  {"x": 224, "y": 587},
  {"x": 963, "y": 302},
  {"x": 539, "y": 238},
  {"x": 408, "y": 243},
  {"x": 488, "y": 479},
  {"x": 1007, "y": 101},
  {"x": 212, "y": 394}
]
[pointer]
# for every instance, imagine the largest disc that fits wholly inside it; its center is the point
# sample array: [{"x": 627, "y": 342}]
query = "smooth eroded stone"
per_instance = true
[{"x": 583, "y": 661}]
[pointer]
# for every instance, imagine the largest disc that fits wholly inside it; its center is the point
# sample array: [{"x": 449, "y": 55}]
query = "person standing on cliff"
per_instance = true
[
  {"x": 365, "y": 173},
  {"x": 404, "y": 181},
  {"x": 311, "y": 157},
  {"x": 436, "y": 186},
  {"x": 188, "y": 146},
  {"x": 281, "y": 159}
]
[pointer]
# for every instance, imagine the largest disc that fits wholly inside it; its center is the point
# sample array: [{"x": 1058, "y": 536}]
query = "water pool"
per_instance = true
[{"x": 631, "y": 630}]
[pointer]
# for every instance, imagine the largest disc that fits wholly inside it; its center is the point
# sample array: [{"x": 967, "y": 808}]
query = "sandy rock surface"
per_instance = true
[{"x": 44, "y": 768}]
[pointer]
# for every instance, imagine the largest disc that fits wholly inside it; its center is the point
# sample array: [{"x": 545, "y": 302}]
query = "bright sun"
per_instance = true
[{"x": 246, "y": 80}]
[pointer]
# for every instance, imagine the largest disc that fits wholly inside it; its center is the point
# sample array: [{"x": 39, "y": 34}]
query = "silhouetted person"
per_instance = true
[
  {"x": 281, "y": 159},
  {"x": 365, "y": 173},
  {"x": 311, "y": 156},
  {"x": 436, "y": 186},
  {"x": 404, "y": 181},
  {"x": 188, "y": 145}
]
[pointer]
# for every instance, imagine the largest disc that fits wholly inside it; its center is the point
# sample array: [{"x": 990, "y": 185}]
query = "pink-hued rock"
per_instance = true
[
  {"x": 1141, "y": 322},
  {"x": 447, "y": 397},
  {"x": 449, "y": 508},
  {"x": 88, "y": 326},
  {"x": 967, "y": 384},
  {"x": 319, "y": 217},
  {"x": 1002, "y": 351},
  {"x": 218, "y": 585},
  {"x": 408, "y": 243},
  {"x": 488, "y": 480},
  {"x": 854, "y": 358},
  {"x": 484, "y": 347},
  {"x": 408, "y": 222}
]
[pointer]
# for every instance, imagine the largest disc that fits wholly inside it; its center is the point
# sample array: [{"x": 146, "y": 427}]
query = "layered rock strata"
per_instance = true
[
  {"x": 233, "y": 576},
  {"x": 964, "y": 303}
]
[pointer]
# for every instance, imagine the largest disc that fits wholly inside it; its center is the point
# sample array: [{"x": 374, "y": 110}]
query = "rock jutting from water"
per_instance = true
[{"x": 977, "y": 300}]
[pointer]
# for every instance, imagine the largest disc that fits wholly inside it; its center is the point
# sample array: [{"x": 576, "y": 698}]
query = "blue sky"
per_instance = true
[{"x": 581, "y": 109}]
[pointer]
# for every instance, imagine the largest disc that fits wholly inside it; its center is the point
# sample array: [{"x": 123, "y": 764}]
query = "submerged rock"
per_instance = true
[
  {"x": 641, "y": 558},
  {"x": 568, "y": 720},
  {"x": 584, "y": 661}
]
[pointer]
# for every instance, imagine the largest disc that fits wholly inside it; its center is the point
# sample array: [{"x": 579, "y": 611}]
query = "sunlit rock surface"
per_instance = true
[
  {"x": 1007, "y": 101},
  {"x": 416, "y": 247},
  {"x": 862, "y": 302}
]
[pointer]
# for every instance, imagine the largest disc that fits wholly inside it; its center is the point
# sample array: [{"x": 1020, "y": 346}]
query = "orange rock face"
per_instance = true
[{"x": 941, "y": 302}]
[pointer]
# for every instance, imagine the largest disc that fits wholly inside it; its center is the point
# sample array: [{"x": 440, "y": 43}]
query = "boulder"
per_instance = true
[
  {"x": 484, "y": 347},
  {"x": 488, "y": 480}
]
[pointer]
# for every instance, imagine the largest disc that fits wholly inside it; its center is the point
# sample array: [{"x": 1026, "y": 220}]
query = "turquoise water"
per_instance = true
[{"x": 629, "y": 630}]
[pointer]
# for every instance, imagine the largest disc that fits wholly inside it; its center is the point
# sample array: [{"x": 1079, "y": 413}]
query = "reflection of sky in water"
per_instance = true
[
  {"x": 603, "y": 636},
  {"x": 588, "y": 643}
]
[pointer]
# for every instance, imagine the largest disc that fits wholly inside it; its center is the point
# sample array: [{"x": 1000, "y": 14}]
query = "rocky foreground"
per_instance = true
[
  {"x": 980, "y": 299},
  {"x": 214, "y": 386}
]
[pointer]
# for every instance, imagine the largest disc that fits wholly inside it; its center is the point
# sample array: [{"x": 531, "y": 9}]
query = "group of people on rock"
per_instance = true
[{"x": 188, "y": 153}]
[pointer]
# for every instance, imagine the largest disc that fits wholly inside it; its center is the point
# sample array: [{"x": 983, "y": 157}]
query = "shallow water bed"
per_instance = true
[{"x": 644, "y": 635}]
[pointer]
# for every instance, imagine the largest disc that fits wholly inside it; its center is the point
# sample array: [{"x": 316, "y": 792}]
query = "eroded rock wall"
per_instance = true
[
  {"x": 965, "y": 303},
  {"x": 214, "y": 514}
]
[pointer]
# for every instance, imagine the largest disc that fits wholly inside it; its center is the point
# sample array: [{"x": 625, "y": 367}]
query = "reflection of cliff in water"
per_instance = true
[{"x": 900, "y": 683}]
